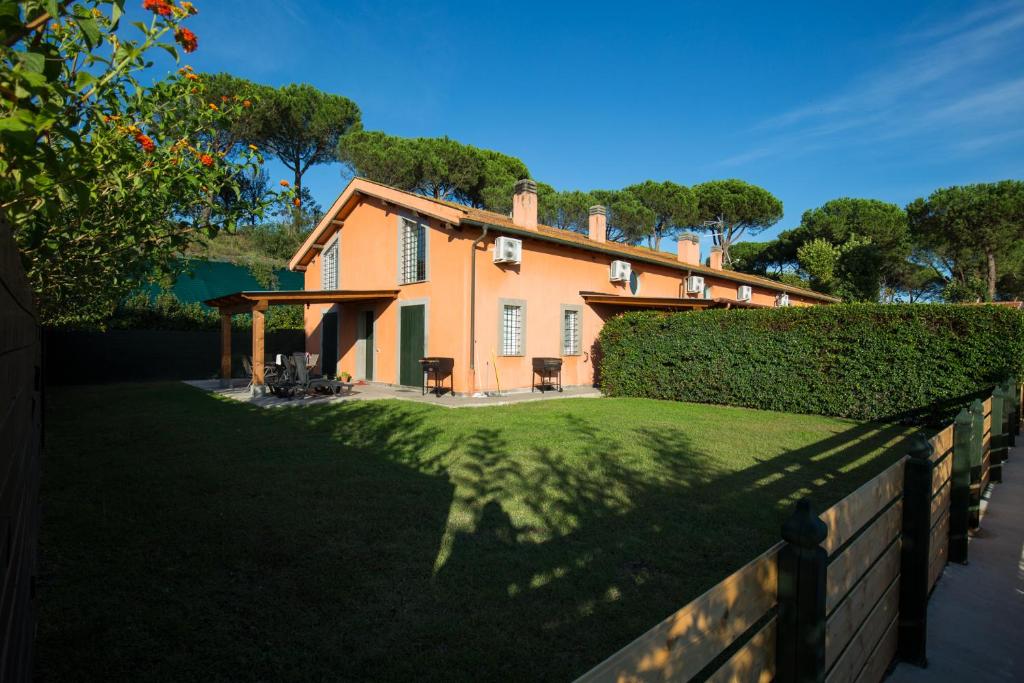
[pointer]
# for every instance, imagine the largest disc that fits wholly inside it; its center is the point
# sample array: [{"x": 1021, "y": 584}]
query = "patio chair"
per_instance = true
[
  {"x": 282, "y": 378},
  {"x": 306, "y": 381},
  {"x": 247, "y": 367}
]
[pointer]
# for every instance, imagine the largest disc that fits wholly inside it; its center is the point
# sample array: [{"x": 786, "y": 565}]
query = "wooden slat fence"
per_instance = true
[
  {"x": 20, "y": 444},
  {"x": 942, "y": 459},
  {"x": 862, "y": 585},
  {"x": 843, "y": 623},
  {"x": 680, "y": 647}
]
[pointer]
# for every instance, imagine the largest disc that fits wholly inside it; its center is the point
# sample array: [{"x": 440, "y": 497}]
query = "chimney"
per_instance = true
[
  {"x": 524, "y": 205},
  {"x": 688, "y": 248},
  {"x": 598, "y": 223},
  {"x": 715, "y": 260}
]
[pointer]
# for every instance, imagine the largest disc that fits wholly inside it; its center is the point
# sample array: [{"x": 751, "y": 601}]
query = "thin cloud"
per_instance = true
[{"x": 943, "y": 77}]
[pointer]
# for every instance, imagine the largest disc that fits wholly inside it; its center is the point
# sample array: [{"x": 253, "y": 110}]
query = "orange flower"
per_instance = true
[
  {"x": 186, "y": 39},
  {"x": 213, "y": 106},
  {"x": 145, "y": 142},
  {"x": 254, "y": 148},
  {"x": 246, "y": 104},
  {"x": 160, "y": 7},
  {"x": 285, "y": 183},
  {"x": 206, "y": 160},
  {"x": 223, "y": 98},
  {"x": 192, "y": 77},
  {"x": 296, "y": 201},
  {"x": 189, "y": 8}
]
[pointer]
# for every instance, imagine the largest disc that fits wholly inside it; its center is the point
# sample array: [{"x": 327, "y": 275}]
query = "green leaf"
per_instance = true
[
  {"x": 171, "y": 50},
  {"x": 90, "y": 30},
  {"x": 83, "y": 80},
  {"x": 32, "y": 62}
]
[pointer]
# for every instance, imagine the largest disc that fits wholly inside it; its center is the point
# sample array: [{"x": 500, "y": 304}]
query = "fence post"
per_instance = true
[
  {"x": 917, "y": 512},
  {"x": 960, "y": 487},
  {"x": 800, "y": 645},
  {"x": 1012, "y": 413},
  {"x": 998, "y": 451},
  {"x": 977, "y": 435},
  {"x": 1016, "y": 401}
]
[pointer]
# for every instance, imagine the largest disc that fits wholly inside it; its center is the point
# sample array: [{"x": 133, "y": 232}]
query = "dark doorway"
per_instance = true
[
  {"x": 368, "y": 347},
  {"x": 412, "y": 345},
  {"x": 329, "y": 343}
]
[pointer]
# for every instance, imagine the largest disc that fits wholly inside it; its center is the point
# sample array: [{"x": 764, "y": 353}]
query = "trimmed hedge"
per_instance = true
[{"x": 863, "y": 361}]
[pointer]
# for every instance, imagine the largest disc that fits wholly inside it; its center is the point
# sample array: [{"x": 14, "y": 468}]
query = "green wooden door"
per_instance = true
[
  {"x": 329, "y": 344},
  {"x": 412, "y": 345},
  {"x": 368, "y": 345}
]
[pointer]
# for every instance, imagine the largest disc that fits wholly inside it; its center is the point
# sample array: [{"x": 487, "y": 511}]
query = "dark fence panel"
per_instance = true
[
  {"x": 87, "y": 357},
  {"x": 20, "y": 454}
]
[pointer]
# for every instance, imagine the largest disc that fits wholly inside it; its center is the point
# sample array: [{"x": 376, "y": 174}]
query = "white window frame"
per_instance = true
[
  {"x": 330, "y": 264},
  {"x": 403, "y": 227},
  {"x": 577, "y": 348},
  {"x": 503, "y": 347}
]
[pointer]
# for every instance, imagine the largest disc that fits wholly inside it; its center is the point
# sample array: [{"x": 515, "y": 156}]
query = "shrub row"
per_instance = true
[{"x": 863, "y": 361}]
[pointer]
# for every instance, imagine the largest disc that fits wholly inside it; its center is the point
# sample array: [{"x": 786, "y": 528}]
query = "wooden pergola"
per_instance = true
[{"x": 258, "y": 302}]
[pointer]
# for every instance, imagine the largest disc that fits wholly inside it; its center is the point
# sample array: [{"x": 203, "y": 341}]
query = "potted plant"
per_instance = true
[{"x": 345, "y": 377}]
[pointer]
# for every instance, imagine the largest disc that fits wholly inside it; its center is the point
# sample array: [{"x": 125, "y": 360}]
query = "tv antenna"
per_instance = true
[{"x": 718, "y": 236}]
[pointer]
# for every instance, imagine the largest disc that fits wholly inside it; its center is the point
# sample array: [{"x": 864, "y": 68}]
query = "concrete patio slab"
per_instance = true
[
  {"x": 976, "y": 614},
  {"x": 379, "y": 392}
]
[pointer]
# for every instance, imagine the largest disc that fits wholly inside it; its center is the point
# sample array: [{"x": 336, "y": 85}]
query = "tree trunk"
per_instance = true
[{"x": 991, "y": 258}]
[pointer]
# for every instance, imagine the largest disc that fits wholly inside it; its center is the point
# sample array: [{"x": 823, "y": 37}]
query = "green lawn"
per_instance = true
[{"x": 188, "y": 537}]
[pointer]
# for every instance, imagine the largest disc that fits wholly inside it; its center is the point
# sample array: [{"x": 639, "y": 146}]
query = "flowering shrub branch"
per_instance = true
[{"x": 104, "y": 179}]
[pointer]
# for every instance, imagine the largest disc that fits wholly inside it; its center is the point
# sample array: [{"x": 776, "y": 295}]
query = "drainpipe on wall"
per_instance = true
[{"x": 472, "y": 301}]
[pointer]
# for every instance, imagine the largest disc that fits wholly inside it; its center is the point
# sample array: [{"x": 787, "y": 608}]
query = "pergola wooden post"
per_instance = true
[
  {"x": 225, "y": 348},
  {"x": 258, "y": 351}
]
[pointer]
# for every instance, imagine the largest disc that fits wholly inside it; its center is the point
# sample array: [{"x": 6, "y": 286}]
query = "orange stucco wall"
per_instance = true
[
  {"x": 368, "y": 259},
  {"x": 549, "y": 276}
]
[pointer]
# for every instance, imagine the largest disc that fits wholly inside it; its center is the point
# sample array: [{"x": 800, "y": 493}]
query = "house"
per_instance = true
[{"x": 415, "y": 276}]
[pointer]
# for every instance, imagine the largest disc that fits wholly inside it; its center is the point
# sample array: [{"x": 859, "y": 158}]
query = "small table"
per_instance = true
[
  {"x": 435, "y": 368},
  {"x": 550, "y": 371}
]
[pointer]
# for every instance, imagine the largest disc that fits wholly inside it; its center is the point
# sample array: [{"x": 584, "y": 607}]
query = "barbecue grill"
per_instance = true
[
  {"x": 435, "y": 369},
  {"x": 550, "y": 372}
]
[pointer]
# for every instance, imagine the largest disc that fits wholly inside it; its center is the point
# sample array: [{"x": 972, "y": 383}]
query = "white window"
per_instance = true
[
  {"x": 329, "y": 267},
  {"x": 512, "y": 330},
  {"x": 412, "y": 244},
  {"x": 570, "y": 332}
]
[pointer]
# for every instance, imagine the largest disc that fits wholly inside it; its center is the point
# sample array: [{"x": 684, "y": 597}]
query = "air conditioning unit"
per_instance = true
[
  {"x": 743, "y": 293},
  {"x": 619, "y": 271},
  {"x": 782, "y": 300},
  {"x": 508, "y": 250},
  {"x": 695, "y": 284}
]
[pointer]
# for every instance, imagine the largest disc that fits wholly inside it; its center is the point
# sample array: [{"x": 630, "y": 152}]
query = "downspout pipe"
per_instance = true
[{"x": 472, "y": 296}]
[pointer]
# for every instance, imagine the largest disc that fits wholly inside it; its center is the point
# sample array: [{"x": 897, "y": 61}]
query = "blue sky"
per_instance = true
[{"x": 813, "y": 101}]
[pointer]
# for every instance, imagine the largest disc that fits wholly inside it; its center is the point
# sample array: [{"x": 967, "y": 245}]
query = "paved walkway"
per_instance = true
[
  {"x": 976, "y": 614},
  {"x": 379, "y": 392}
]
